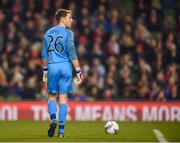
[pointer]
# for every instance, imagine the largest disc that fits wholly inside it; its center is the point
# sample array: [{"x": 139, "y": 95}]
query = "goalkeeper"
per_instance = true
[{"x": 59, "y": 54}]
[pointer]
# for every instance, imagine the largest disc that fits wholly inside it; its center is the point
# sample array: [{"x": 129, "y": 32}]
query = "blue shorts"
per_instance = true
[{"x": 60, "y": 78}]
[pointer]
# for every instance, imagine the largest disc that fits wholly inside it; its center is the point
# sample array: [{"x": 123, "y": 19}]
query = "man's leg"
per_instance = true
[
  {"x": 62, "y": 113},
  {"x": 52, "y": 109}
]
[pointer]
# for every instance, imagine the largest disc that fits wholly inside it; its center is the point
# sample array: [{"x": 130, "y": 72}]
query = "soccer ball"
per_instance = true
[{"x": 111, "y": 127}]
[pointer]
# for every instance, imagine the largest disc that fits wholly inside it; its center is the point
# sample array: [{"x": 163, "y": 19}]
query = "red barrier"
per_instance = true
[{"x": 91, "y": 111}]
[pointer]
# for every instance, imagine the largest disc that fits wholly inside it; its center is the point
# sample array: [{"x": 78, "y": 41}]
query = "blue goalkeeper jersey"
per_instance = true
[{"x": 58, "y": 45}]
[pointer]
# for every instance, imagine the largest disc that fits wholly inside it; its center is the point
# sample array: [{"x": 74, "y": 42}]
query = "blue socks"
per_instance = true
[
  {"x": 52, "y": 109},
  {"x": 62, "y": 117},
  {"x": 62, "y": 114}
]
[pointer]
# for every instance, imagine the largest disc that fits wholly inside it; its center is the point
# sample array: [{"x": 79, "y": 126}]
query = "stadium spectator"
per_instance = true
[{"x": 128, "y": 49}]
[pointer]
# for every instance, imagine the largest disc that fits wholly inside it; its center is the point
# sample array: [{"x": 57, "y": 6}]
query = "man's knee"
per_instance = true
[
  {"x": 63, "y": 98},
  {"x": 52, "y": 96}
]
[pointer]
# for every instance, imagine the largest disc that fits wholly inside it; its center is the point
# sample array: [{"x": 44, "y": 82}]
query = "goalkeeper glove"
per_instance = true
[
  {"x": 79, "y": 75},
  {"x": 45, "y": 74}
]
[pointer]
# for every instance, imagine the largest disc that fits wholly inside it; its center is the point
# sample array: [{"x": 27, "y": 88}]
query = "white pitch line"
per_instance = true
[{"x": 160, "y": 136}]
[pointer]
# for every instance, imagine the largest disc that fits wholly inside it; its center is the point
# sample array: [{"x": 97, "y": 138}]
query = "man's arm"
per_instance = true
[
  {"x": 75, "y": 64},
  {"x": 44, "y": 62},
  {"x": 73, "y": 56},
  {"x": 45, "y": 70},
  {"x": 44, "y": 59},
  {"x": 78, "y": 71}
]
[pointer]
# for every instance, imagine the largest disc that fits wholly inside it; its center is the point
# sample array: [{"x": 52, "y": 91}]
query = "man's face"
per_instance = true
[{"x": 68, "y": 20}]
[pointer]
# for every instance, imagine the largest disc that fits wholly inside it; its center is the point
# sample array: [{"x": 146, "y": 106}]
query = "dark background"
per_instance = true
[{"x": 128, "y": 49}]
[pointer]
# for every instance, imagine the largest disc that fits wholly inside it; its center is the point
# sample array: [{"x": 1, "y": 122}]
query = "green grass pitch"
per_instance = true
[{"x": 32, "y": 131}]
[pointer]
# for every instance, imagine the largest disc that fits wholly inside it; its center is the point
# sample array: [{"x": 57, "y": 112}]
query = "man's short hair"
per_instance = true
[{"x": 61, "y": 13}]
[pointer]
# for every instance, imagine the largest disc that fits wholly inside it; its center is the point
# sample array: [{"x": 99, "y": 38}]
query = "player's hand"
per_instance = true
[
  {"x": 80, "y": 76},
  {"x": 45, "y": 76}
]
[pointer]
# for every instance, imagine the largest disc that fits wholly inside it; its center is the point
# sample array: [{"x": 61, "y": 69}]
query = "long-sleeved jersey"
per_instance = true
[{"x": 58, "y": 45}]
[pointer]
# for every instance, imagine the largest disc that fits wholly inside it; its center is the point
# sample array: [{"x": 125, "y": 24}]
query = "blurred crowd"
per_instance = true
[{"x": 128, "y": 49}]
